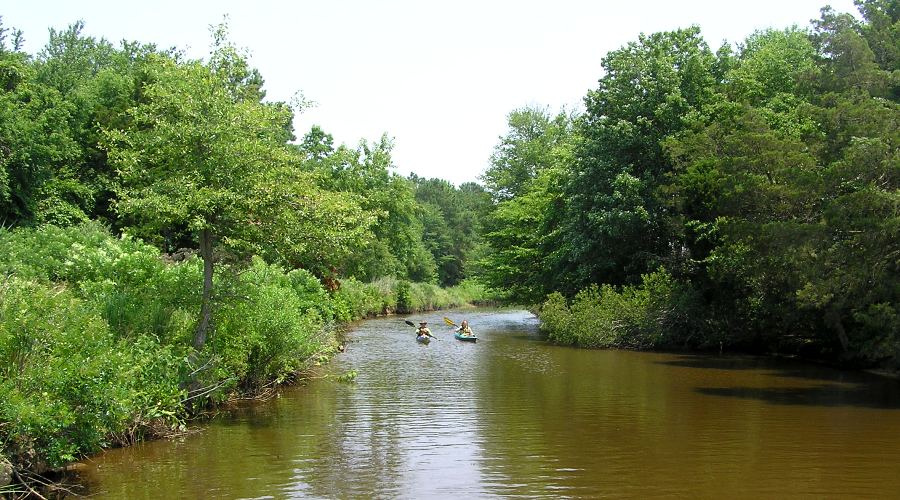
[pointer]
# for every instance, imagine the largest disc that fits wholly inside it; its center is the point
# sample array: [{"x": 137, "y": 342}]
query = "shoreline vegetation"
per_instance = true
[
  {"x": 167, "y": 241},
  {"x": 741, "y": 198},
  {"x": 97, "y": 336}
]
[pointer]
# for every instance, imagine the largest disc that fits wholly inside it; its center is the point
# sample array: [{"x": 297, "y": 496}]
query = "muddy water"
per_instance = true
[{"x": 512, "y": 416}]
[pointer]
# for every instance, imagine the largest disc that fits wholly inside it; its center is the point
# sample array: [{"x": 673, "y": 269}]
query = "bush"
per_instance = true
[
  {"x": 61, "y": 390},
  {"x": 310, "y": 293},
  {"x": 656, "y": 314},
  {"x": 44, "y": 254},
  {"x": 878, "y": 338},
  {"x": 404, "y": 297},
  {"x": 271, "y": 332},
  {"x": 356, "y": 300},
  {"x": 556, "y": 319},
  {"x": 472, "y": 291},
  {"x": 68, "y": 386},
  {"x": 96, "y": 336},
  {"x": 133, "y": 288},
  {"x": 389, "y": 290}
]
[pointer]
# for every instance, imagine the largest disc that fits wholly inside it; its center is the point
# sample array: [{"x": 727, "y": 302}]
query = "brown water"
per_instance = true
[{"x": 512, "y": 416}]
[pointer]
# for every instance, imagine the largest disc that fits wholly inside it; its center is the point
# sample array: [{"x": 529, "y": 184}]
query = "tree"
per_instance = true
[
  {"x": 74, "y": 87},
  {"x": 773, "y": 63},
  {"x": 533, "y": 143},
  {"x": 191, "y": 156},
  {"x": 397, "y": 248},
  {"x": 849, "y": 62},
  {"x": 617, "y": 228},
  {"x": 70, "y": 59},
  {"x": 525, "y": 180},
  {"x": 230, "y": 63},
  {"x": 299, "y": 225},
  {"x": 524, "y": 238},
  {"x": 882, "y": 31},
  {"x": 317, "y": 145},
  {"x": 787, "y": 197},
  {"x": 451, "y": 218},
  {"x": 39, "y": 179}
]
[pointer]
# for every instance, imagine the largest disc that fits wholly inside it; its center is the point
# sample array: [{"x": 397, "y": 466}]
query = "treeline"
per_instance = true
[
  {"x": 181, "y": 152},
  {"x": 740, "y": 199},
  {"x": 168, "y": 243}
]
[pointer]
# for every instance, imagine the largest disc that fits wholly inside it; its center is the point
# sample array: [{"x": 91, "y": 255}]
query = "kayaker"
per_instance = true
[
  {"x": 464, "y": 329},
  {"x": 423, "y": 329}
]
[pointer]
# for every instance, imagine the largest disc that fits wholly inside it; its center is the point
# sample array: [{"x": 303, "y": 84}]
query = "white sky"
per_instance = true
[{"x": 438, "y": 77}]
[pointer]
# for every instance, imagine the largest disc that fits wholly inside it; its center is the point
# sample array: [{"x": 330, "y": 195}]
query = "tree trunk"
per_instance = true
[
  {"x": 833, "y": 319},
  {"x": 206, "y": 253}
]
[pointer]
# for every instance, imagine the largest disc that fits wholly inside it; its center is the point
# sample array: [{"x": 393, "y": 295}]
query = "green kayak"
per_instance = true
[{"x": 465, "y": 338}]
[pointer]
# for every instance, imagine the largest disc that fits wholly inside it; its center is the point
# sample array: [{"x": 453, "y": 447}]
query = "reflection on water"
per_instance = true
[{"x": 512, "y": 416}]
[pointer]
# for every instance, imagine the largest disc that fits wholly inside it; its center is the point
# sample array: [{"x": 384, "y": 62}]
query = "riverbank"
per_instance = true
[
  {"x": 95, "y": 338},
  {"x": 666, "y": 315}
]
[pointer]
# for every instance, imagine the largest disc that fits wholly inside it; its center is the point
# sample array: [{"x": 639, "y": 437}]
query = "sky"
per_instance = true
[{"x": 438, "y": 77}]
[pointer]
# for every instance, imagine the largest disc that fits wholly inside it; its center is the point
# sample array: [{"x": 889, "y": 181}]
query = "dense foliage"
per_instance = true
[
  {"x": 166, "y": 245},
  {"x": 96, "y": 336},
  {"x": 188, "y": 154},
  {"x": 452, "y": 223},
  {"x": 744, "y": 198}
]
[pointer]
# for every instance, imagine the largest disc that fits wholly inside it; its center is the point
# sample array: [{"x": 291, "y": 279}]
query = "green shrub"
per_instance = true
[
  {"x": 656, "y": 314},
  {"x": 388, "y": 289},
  {"x": 310, "y": 293},
  {"x": 426, "y": 296},
  {"x": 156, "y": 376},
  {"x": 271, "y": 332},
  {"x": 878, "y": 338},
  {"x": 134, "y": 289},
  {"x": 96, "y": 335},
  {"x": 356, "y": 300},
  {"x": 44, "y": 253},
  {"x": 67, "y": 386},
  {"x": 61, "y": 387},
  {"x": 404, "y": 297},
  {"x": 472, "y": 291},
  {"x": 556, "y": 319}
]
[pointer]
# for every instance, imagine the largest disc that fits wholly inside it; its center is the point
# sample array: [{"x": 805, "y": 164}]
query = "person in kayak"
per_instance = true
[
  {"x": 423, "y": 330},
  {"x": 464, "y": 329}
]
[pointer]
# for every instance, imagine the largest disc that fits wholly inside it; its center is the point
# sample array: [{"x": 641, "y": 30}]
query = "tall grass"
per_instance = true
[{"x": 356, "y": 300}]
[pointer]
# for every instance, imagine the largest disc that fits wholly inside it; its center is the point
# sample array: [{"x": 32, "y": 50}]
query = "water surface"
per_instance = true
[{"x": 512, "y": 416}]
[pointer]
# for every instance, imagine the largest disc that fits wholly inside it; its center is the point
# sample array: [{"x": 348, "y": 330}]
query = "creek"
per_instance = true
[{"x": 512, "y": 415}]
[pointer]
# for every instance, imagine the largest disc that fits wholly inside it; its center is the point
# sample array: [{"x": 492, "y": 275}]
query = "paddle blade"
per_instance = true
[
  {"x": 408, "y": 322},
  {"x": 449, "y": 321}
]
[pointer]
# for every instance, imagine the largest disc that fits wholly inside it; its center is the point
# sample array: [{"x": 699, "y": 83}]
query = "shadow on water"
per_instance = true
[
  {"x": 718, "y": 362},
  {"x": 837, "y": 387},
  {"x": 828, "y": 395},
  {"x": 781, "y": 367},
  {"x": 532, "y": 337}
]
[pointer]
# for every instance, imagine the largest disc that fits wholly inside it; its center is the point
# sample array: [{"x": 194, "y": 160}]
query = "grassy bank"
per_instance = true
[{"x": 95, "y": 337}]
